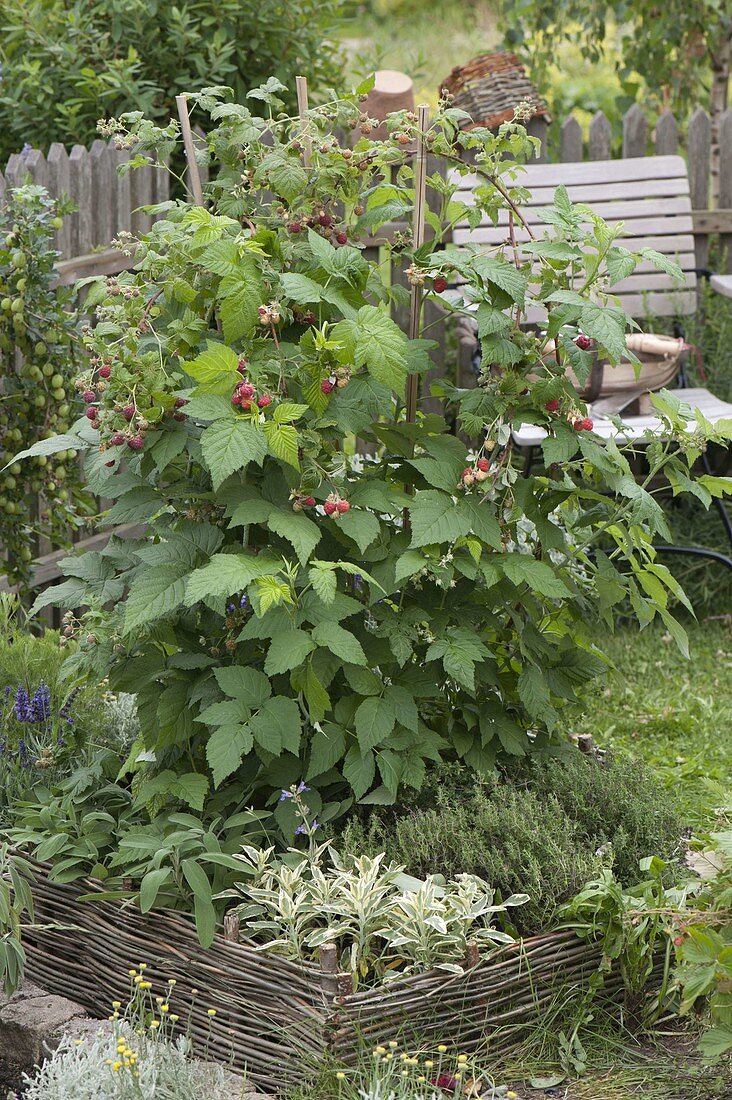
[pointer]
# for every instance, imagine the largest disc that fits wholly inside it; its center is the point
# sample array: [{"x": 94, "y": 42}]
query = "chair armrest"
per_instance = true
[{"x": 722, "y": 284}]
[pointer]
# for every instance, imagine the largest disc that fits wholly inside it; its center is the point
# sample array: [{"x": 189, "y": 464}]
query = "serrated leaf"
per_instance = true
[
  {"x": 301, "y": 532},
  {"x": 50, "y": 446},
  {"x": 326, "y": 749},
  {"x": 316, "y": 696},
  {"x": 210, "y": 406},
  {"x": 241, "y": 296},
  {"x": 229, "y": 446},
  {"x": 283, "y": 442},
  {"x": 324, "y": 582},
  {"x": 287, "y": 650},
  {"x": 287, "y": 411},
  {"x": 374, "y": 721},
  {"x": 226, "y": 574},
  {"x": 278, "y": 725},
  {"x": 374, "y": 341},
  {"x": 537, "y": 574},
  {"x": 225, "y": 749},
  {"x": 248, "y": 685},
  {"x": 503, "y": 274},
  {"x": 483, "y": 521},
  {"x": 191, "y": 788},
  {"x": 362, "y": 527},
  {"x": 359, "y": 770},
  {"x": 607, "y": 326},
  {"x": 339, "y": 641},
  {"x": 435, "y": 518},
  {"x": 214, "y": 369},
  {"x": 533, "y": 690},
  {"x": 154, "y": 593},
  {"x": 286, "y": 175}
]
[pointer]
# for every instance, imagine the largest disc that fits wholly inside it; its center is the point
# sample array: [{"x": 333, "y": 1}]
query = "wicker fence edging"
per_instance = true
[{"x": 276, "y": 1018}]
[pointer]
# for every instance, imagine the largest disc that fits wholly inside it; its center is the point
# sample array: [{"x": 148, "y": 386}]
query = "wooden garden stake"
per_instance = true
[
  {"x": 302, "y": 107},
  {"x": 420, "y": 176},
  {"x": 185, "y": 126}
]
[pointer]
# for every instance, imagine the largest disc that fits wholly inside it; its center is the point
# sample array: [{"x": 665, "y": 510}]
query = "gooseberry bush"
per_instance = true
[
  {"x": 39, "y": 349},
  {"x": 297, "y": 611}
]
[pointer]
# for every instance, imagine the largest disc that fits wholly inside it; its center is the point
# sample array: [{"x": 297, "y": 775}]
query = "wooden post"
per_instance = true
[
  {"x": 698, "y": 151},
  {"x": 667, "y": 135},
  {"x": 571, "y": 140},
  {"x": 601, "y": 138},
  {"x": 231, "y": 927},
  {"x": 634, "y": 132},
  {"x": 185, "y": 127},
  {"x": 418, "y": 221},
  {"x": 725, "y": 182},
  {"x": 302, "y": 106}
]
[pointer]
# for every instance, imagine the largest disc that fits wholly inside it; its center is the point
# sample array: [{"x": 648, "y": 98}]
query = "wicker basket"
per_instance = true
[{"x": 490, "y": 86}]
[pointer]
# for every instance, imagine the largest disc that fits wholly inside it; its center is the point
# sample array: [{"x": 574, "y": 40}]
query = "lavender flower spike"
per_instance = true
[{"x": 23, "y": 709}]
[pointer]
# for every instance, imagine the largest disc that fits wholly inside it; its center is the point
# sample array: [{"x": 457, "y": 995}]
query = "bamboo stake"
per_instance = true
[
  {"x": 302, "y": 106},
  {"x": 420, "y": 175},
  {"x": 185, "y": 126}
]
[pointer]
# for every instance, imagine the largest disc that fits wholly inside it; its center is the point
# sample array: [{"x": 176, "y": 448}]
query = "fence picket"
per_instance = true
[
  {"x": 103, "y": 183},
  {"x": 725, "y": 181},
  {"x": 667, "y": 135},
  {"x": 571, "y": 140},
  {"x": 698, "y": 151},
  {"x": 141, "y": 194},
  {"x": 601, "y": 138},
  {"x": 80, "y": 187},
  {"x": 15, "y": 170},
  {"x": 58, "y": 186},
  {"x": 635, "y": 132},
  {"x": 122, "y": 192}
]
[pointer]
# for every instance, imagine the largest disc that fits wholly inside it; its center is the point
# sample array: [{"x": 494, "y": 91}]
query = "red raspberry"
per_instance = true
[
  {"x": 330, "y": 507},
  {"x": 262, "y": 311},
  {"x": 325, "y": 219},
  {"x": 242, "y": 365},
  {"x": 117, "y": 439},
  {"x": 128, "y": 412},
  {"x": 343, "y": 506},
  {"x": 245, "y": 406},
  {"x": 483, "y": 464},
  {"x": 678, "y": 940},
  {"x": 587, "y": 424},
  {"x": 341, "y": 238},
  {"x": 91, "y": 413},
  {"x": 294, "y": 227},
  {"x": 136, "y": 443},
  {"x": 309, "y": 502},
  {"x": 179, "y": 416},
  {"x": 552, "y": 406},
  {"x": 235, "y": 399},
  {"x": 89, "y": 396},
  {"x": 309, "y": 318},
  {"x": 439, "y": 284},
  {"x": 104, "y": 372},
  {"x": 264, "y": 401},
  {"x": 245, "y": 390},
  {"x": 180, "y": 402},
  {"x": 327, "y": 385},
  {"x": 583, "y": 342}
]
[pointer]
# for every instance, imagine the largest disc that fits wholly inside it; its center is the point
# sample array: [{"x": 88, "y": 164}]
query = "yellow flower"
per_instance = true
[
  {"x": 404, "y": 1056},
  {"x": 165, "y": 1008},
  {"x": 211, "y": 1012},
  {"x": 388, "y": 1057},
  {"x": 132, "y": 973},
  {"x": 404, "y": 1073},
  {"x": 512, "y": 1095},
  {"x": 171, "y": 981},
  {"x": 340, "y": 1075},
  {"x": 121, "y": 1048},
  {"x": 116, "y": 1004},
  {"x": 155, "y": 1023},
  {"x": 145, "y": 985},
  {"x": 142, "y": 966},
  {"x": 429, "y": 1064},
  {"x": 442, "y": 1048},
  {"x": 116, "y": 1066},
  {"x": 158, "y": 1000},
  {"x": 393, "y": 1044},
  {"x": 462, "y": 1059},
  {"x": 108, "y": 1061},
  {"x": 174, "y": 1018},
  {"x": 78, "y": 1042},
  {"x": 380, "y": 1050},
  {"x": 138, "y": 978},
  {"x": 421, "y": 1080}
]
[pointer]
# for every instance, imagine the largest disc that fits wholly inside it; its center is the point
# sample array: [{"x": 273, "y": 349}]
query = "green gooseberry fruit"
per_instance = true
[
  {"x": 26, "y": 554},
  {"x": 49, "y": 369},
  {"x": 63, "y": 495},
  {"x": 10, "y": 483},
  {"x": 59, "y": 473},
  {"x": 58, "y": 394},
  {"x": 39, "y": 347},
  {"x": 41, "y": 460},
  {"x": 39, "y": 400},
  {"x": 6, "y": 304},
  {"x": 51, "y": 486},
  {"x": 36, "y": 485},
  {"x": 57, "y": 381},
  {"x": 57, "y": 222},
  {"x": 37, "y": 374},
  {"x": 10, "y": 507},
  {"x": 16, "y": 468},
  {"x": 63, "y": 410},
  {"x": 19, "y": 259},
  {"x": 21, "y": 283}
]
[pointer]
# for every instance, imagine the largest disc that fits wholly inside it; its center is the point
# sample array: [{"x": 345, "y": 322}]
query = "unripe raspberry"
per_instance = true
[
  {"x": 468, "y": 477},
  {"x": 330, "y": 507},
  {"x": 105, "y": 371},
  {"x": 88, "y": 396},
  {"x": 583, "y": 342},
  {"x": 341, "y": 238},
  {"x": 327, "y": 385},
  {"x": 678, "y": 940},
  {"x": 483, "y": 464},
  {"x": 481, "y": 475},
  {"x": 242, "y": 365},
  {"x": 136, "y": 443},
  {"x": 341, "y": 383},
  {"x": 180, "y": 402},
  {"x": 245, "y": 405},
  {"x": 552, "y": 406},
  {"x": 439, "y": 284},
  {"x": 343, "y": 506},
  {"x": 296, "y": 506},
  {"x": 264, "y": 401},
  {"x": 128, "y": 412},
  {"x": 117, "y": 439},
  {"x": 309, "y": 502}
]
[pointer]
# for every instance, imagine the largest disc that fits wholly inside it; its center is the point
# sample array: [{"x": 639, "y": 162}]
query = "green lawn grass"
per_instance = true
[{"x": 673, "y": 713}]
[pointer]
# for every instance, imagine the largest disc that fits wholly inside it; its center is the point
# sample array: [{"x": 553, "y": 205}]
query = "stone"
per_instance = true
[{"x": 31, "y": 1022}]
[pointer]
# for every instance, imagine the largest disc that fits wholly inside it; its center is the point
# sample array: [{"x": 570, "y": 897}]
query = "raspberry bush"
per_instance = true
[{"x": 296, "y": 612}]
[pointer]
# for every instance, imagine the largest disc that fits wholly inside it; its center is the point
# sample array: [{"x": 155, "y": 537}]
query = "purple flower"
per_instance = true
[
  {"x": 23, "y": 709},
  {"x": 26, "y": 149},
  {"x": 243, "y": 602},
  {"x": 41, "y": 703},
  {"x": 301, "y": 829},
  {"x": 301, "y": 788},
  {"x": 23, "y": 754},
  {"x": 231, "y": 607},
  {"x": 284, "y": 795},
  {"x": 6, "y": 692}
]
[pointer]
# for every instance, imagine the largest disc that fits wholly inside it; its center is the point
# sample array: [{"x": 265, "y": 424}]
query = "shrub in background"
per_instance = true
[
  {"x": 64, "y": 65},
  {"x": 544, "y": 828}
]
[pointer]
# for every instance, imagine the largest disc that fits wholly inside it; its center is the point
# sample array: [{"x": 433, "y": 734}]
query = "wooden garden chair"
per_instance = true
[{"x": 650, "y": 195}]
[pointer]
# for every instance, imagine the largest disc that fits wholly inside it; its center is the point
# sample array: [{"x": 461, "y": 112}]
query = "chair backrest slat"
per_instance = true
[{"x": 649, "y": 195}]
